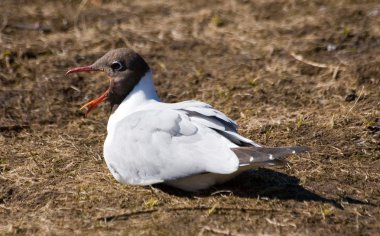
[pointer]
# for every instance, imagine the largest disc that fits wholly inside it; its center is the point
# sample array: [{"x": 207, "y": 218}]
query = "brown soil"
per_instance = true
[{"x": 289, "y": 71}]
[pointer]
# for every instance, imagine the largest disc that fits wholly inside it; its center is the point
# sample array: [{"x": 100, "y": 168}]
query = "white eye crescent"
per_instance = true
[{"x": 117, "y": 66}]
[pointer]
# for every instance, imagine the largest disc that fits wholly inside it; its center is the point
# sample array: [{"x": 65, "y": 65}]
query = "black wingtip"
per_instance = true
[{"x": 299, "y": 149}]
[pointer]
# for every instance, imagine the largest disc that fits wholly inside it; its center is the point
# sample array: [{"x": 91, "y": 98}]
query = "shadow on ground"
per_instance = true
[
  {"x": 265, "y": 183},
  {"x": 261, "y": 183}
]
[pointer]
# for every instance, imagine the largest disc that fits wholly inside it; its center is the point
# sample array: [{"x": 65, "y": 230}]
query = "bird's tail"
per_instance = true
[{"x": 263, "y": 156}]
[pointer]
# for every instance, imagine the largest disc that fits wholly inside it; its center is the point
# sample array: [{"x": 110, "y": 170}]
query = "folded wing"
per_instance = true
[
  {"x": 173, "y": 141},
  {"x": 169, "y": 146}
]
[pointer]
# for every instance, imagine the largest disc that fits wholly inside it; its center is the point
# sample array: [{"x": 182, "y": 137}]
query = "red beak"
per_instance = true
[
  {"x": 93, "y": 103},
  {"x": 80, "y": 69}
]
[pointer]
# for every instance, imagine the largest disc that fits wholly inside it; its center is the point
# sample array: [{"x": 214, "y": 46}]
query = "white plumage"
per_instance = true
[
  {"x": 151, "y": 142},
  {"x": 189, "y": 145}
]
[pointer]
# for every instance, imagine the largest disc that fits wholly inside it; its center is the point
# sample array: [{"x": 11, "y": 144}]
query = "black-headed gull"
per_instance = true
[{"x": 188, "y": 145}]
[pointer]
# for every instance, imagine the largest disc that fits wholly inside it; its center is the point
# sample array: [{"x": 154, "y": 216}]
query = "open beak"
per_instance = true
[{"x": 93, "y": 103}]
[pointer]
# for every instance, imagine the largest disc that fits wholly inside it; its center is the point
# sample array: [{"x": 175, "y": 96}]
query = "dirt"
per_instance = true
[{"x": 291, "y": 72}]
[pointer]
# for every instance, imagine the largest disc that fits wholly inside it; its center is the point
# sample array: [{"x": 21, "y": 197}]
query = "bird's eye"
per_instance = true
[{"x": 117, "y": 66}]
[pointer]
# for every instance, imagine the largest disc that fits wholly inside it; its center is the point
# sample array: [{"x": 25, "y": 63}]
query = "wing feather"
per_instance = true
[
  {"x": 152, "y": 146},
  {"x": 262, "y": 156},
  {"x": 205, "y": 114}
]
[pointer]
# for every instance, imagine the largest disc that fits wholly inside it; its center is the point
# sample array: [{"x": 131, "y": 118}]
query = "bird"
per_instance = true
[{"x": 188, "y": 145}]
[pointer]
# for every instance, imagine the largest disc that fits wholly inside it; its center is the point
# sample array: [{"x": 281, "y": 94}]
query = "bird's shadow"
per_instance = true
[
  {"x": 265, "y": 183},
  {"x": 261, "y": 183}
]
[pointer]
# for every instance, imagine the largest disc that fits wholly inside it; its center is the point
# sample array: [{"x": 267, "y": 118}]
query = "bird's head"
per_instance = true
[{"x": 124, "y": 68}]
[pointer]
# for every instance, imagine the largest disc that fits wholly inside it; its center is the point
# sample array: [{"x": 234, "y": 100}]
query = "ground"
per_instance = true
[{"x": 291, "y": 72}]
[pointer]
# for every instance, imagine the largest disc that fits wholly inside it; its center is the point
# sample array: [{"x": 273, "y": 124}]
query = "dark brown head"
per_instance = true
[{"x": 124, "y": 68}]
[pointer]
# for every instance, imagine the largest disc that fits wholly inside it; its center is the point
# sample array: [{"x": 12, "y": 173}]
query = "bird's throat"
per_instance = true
[{"x": 141, "y": 93}]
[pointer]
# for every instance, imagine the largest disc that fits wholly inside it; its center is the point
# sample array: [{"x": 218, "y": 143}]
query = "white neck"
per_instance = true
[{"x": 142, "y": 93}]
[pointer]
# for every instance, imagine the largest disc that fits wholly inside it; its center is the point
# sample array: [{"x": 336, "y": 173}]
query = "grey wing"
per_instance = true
[
  {"x": 153, "y": 146},
  {"x": 265, "y": 156},
  {"x": 205, "y": 114},
  {"x": 247, "y": 151}
]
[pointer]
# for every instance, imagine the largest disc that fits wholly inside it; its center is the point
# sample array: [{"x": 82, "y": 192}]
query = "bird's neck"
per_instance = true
[{"x": 142, "y": 93}]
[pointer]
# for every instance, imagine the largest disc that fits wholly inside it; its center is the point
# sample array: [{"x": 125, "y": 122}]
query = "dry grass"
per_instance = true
[{"x": 289, "y": 71}]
